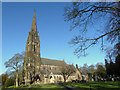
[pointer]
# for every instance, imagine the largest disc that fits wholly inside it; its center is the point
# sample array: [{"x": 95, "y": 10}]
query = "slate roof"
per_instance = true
[
  {"x": 46, "y": 61},
  {"x": 47, "y": 72}
]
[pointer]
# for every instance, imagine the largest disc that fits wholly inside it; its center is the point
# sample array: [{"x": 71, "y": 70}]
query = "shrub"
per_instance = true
[{"x": 9, "y": 82}]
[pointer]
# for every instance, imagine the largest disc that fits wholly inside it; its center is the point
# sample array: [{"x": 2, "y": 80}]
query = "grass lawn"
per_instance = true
[
  {"x": 38, "y": 87},
  {"x": 21, "y": 86},
  {"x": 49, "y": 86},
  {"x": 94, "y": 85}
]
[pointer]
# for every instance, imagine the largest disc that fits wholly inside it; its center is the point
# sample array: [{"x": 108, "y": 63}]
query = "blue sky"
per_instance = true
[{"x": 54, "y": 32}]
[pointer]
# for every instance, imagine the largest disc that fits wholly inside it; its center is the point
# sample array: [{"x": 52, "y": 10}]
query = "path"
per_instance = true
[
  {"x": 70, "y": 88},
  {"x": 38, "y": 85}
]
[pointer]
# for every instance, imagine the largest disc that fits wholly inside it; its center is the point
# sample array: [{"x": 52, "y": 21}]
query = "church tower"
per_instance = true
[{"x": 32, "y": 62}]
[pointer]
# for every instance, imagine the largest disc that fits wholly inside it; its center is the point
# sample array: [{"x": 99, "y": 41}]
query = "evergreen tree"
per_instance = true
[
  {"x": 112, "y": 68},
  {"x": 107, "y": 67},
  {"x": 117, "y": 65}
]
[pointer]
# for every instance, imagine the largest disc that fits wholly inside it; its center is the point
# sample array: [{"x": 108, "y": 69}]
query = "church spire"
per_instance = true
[
  {"x": 34, "y": 27},
  {"x": 32, "y": 61}
]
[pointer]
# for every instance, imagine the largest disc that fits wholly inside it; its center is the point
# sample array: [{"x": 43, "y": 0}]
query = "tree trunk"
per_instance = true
[
  {"x": 16, "y": 78},
  {"x": 64, "y": 78}
]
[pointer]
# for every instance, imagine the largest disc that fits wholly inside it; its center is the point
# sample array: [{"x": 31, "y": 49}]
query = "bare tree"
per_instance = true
[
  {"x": 109, "y": 54},
  {"x": 15, "y": 63},
  {"x": 85, "y": 15},
  {"x": 66, "y": 71},
  {"x": 91, "y": 69},
  {"x": 101, "y": 72}
]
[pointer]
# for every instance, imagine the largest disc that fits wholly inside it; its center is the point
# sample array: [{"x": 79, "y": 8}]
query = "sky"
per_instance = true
[{"x": 54, "y": 32}]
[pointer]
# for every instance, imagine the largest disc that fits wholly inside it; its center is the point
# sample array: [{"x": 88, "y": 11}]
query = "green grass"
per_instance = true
[
  {"x": 93, "y": 85},
  {"x": 11, "y": 87},
  {"x": 49, "y": 86},
  {"x": 21, "y": 86}
]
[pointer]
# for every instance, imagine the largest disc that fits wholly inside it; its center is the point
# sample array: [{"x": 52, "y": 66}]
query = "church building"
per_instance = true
[{"x": 42, "y": 70}]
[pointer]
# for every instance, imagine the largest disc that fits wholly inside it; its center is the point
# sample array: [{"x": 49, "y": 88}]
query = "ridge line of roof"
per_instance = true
[{"x": 53, "y": 59}]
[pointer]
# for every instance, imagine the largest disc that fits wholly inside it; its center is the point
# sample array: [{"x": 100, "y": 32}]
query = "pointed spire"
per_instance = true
[
  {"x": 34, "y": 27},
  {"x": 76, "y": 66},
  {"x": 34, "y": 14}
]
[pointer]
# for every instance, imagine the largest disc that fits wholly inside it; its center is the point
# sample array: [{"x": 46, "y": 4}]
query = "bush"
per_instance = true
[
  {"x": 3, "y": 86},
  {"x": 21, "y": 86},
  {"x": 9, "y": 82},
  {"x": 11, "y": 87}
]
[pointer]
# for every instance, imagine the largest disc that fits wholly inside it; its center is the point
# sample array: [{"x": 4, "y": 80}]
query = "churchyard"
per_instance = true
[{"x": 88, "y": 85}]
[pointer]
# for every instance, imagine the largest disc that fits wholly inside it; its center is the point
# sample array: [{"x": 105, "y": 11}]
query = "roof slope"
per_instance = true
[{"x": 46, "y": 61}]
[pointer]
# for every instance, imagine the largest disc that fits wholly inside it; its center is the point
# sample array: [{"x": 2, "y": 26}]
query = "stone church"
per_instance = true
[{"x": 42, "y": 70}]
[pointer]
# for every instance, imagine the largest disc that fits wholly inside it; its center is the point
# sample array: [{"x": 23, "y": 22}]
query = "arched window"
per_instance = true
[
  {"x": 50, "y": 77},
  {"x": 59, "y": 78},
  {"x": 43, "y": 67},
  {"x": 32, "y": 38}
]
